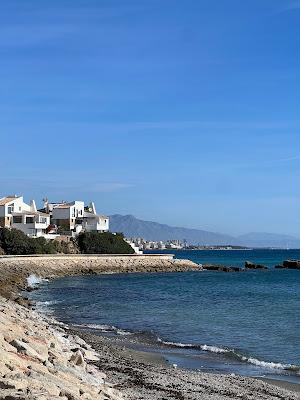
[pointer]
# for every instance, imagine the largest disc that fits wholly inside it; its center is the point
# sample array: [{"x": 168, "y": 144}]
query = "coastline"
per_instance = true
[
  {"x": 14, "y": 270},
  {"x": 132, "y": 373},
  {"x": 155, "y": 378}
]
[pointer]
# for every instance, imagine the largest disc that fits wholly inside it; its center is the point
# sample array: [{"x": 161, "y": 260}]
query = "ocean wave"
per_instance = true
[
  {"x": 214, "y": 349},
  {"x": 105, "y": 328},
  {"x": 204, "y": 347},
  {"x": 235, "y": 354},
  {"x": 33, "y": 280},
  {"x": 45, "y": 307},
  {"x": 271, "y": 365}
]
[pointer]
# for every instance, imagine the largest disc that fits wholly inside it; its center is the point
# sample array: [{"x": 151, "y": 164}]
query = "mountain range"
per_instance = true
[{"x": 134, "y": 227}]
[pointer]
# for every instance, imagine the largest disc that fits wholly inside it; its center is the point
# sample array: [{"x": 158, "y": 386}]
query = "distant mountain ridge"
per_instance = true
[
  {"x": 134, "y": 227},
  {"x": 264, "y": 239}
]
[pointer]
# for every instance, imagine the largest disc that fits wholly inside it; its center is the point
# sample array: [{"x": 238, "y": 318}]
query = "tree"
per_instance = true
[{"x": 103, "y": 243}]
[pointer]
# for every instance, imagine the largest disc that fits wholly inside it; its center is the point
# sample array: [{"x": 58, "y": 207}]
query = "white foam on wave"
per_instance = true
[
  {"x": 33, "y": 280},
  {"x": 44, "y": 307},
  {"x": 220, "y": 350},
  {"x": 213, "y": 349},
  {"x": 204, "y": 347},
  {"x": 266, "y": 364},
  {"x": 174, "y": 344},
  {"x": 104, "y": 328}
]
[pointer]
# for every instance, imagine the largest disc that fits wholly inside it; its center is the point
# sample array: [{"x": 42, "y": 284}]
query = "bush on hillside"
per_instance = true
[
  {"x": 15, "y": 242},
  {"x": 103, "y": 243}
]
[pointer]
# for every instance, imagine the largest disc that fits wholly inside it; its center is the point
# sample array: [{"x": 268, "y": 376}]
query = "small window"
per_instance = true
[
  {"x": 17, "y": 219},
  {"x": 29, "y": 220}
]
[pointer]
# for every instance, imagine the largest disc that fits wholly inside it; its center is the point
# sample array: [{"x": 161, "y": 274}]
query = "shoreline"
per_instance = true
[
  {"x": 155, "y": 378},
  {"x": 135, "y": 374},
  {"x": 14, "y": 270}
]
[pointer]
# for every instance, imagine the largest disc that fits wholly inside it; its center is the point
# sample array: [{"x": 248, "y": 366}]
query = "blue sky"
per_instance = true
[{"x": 185, "y": 113}]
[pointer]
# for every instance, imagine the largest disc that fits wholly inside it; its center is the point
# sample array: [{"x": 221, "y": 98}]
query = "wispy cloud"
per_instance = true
[
  {"x": 270, "y": 163},
  {"x": 295, "y": 5},
  {"x": 64, "y": 184}
]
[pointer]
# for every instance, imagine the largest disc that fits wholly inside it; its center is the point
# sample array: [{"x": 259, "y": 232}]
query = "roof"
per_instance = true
[
  {"x": 30, "y": 213},
  {"x": 7, "y": 199},
  {"x": 65, "y": 205},
  {"x": 91, "y": 215}
]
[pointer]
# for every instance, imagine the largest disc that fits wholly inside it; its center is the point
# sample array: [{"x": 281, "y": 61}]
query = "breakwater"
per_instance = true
[{"x": 15, "y": 269}]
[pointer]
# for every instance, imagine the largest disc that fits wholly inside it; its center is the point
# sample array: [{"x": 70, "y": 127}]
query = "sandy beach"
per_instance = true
[{"x": 42, "y": 359}]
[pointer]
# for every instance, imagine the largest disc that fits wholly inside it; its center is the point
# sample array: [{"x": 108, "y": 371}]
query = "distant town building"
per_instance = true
[{"x": 143, "y": 244}]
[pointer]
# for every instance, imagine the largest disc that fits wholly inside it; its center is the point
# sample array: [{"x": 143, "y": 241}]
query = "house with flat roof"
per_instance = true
[
  {"x": 68, "y": 215},
  {"x": 9, "y": 205},
  {"x": 32, "y": 223},
  {"x": 93, "y": 221},
  {"x": 75, "y": 217},
  {"x": 14, "y": 213}
]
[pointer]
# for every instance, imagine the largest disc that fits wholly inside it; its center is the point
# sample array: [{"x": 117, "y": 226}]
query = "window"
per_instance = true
[
  {"x": 29, "y": 220},
  {"x": 17, "y": 219},
  {"x": 43, "y": 220},
  {"x": 10, "y": 209}
]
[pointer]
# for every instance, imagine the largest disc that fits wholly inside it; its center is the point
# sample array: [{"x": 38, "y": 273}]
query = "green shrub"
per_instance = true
[
  {"x": 103, "y": 243},
  {"x": 14, "y": 242}
]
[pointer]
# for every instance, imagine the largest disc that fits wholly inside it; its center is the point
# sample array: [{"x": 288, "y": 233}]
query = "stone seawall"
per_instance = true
[{"x": 15, "y": 269}]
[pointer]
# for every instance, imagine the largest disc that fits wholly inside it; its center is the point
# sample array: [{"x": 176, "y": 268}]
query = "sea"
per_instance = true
[{"x": 245, "y": 323}]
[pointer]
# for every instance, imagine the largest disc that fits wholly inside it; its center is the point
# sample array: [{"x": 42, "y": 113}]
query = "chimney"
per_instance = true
[
  {"x": 92, "y": 207},
  {"x": 33, "y": 206}
]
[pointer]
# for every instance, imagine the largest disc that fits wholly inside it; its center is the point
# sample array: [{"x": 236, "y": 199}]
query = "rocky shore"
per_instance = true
[
  {"x": 42, "y": 362},
  {"x": 41, "y": 359}
]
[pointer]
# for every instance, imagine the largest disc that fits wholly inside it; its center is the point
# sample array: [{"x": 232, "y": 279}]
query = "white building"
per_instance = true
[
  {"x": 14, "y": 213},
  {"x": 93, "y": 221},
  {"x": 73, "y": 216},
  {"x": 9, "y": 205},
  {"x": 76, "y": 217},
  {"x": 32, "y": 223},
  {"x": 68, "y": 216},
  {"x": 134, "y": 246}
]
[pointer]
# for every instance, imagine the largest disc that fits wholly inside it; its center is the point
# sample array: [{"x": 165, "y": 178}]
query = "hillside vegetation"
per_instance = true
[
  {"x": 103, "y": 243},
  {"x": 15, "y": 242}
]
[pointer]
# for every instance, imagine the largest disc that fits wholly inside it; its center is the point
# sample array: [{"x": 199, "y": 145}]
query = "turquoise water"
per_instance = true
[{"x": 247, "y": 322}]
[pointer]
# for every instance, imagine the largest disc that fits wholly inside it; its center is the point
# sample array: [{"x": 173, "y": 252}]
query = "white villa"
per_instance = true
[
  {"x": 71, "y": 217},
  {"x": 14, "y": 213}
]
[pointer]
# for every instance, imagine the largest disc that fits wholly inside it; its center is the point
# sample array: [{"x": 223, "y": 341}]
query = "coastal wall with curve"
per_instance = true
[{"x": 15, "y": 269}]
